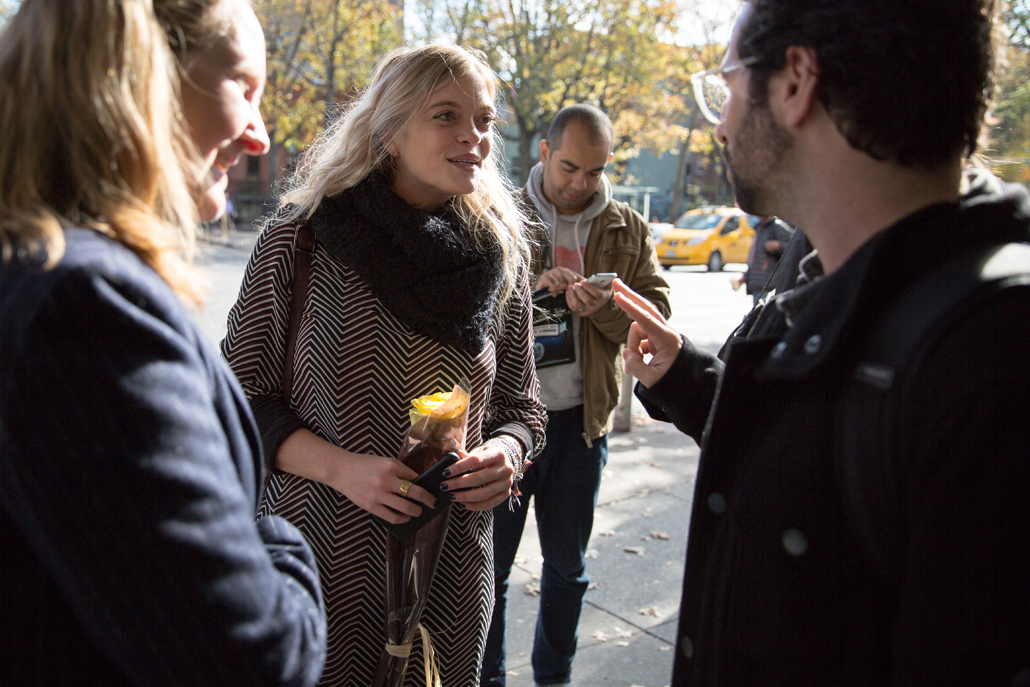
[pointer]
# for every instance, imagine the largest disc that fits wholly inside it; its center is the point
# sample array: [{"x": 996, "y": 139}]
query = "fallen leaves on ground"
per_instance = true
[
  {"x": 592, "y": 585},
  {"x": 619, "y": 632},
  {"x": 652, "y": 611},
  {"x": 531, "y": 590},
  {"x": 592, "y": 553},
  {"x": 606, "y": 533},
  {"x": 660, "y": 535},
  {"x": 639, "y": 550},
  {"x": 600, "y": 636}
]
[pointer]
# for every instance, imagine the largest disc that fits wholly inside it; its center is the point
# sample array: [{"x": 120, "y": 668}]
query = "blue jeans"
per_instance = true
[{"x": 563, "y": 481}]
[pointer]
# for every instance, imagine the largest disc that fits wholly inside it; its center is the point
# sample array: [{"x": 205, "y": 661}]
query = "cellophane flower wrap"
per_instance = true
[{"x": 438, "y": 425}]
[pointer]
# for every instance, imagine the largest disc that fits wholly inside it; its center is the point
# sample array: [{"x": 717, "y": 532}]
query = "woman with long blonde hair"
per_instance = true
[
  {"x": 418, "y": 278},
  {"x": 128, "y": 480}
]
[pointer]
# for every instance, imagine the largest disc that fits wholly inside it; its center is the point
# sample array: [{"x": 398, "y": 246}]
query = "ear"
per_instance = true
[
  {"x": 793, "y": 91},
  {"x": 545, "y": 151},
  {"x": 391, "y": 147}
]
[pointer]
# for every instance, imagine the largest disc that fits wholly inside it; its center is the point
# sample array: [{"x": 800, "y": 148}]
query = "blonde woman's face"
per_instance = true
[
  {"x": 442, "y": 151},
  {"x": 220, "y": 99}
]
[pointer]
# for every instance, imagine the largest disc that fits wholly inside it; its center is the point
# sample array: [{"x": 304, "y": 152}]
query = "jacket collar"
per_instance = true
[{"x": 835, "y": 310}]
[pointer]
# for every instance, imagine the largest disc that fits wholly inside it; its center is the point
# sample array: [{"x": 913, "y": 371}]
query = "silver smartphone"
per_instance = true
[{"x": 602, "y": 280}]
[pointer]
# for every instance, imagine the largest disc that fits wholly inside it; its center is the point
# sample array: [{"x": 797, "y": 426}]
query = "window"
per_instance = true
[{"x": 698, "y": 221}]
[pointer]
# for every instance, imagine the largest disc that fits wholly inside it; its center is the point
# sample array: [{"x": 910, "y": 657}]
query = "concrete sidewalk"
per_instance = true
[{"x": 627, "y": 632}]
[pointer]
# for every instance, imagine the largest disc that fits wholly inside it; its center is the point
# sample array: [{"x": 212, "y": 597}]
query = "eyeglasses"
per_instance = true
[{"x": 711, "y": 90}]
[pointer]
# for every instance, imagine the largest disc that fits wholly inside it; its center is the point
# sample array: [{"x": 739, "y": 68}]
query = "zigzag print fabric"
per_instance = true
[{"x": 356, "y": 369}]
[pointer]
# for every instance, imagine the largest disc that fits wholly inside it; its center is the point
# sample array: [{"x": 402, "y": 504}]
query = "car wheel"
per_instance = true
[
  {"x": 715, "y": 262},
  {"x": 666, "y": 267}
]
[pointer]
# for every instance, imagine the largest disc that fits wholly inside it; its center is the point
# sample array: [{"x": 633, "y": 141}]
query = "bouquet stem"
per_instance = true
[{"x": 410, "y": 568}]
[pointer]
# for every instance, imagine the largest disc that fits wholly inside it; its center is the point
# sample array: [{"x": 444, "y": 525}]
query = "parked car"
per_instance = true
[
  {"x": 710, "y": 236},
  {"x": 658, "y": 229}
]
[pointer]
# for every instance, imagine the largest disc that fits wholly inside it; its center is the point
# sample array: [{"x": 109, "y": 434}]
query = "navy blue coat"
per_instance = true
[{"x": 130, "y": 474}]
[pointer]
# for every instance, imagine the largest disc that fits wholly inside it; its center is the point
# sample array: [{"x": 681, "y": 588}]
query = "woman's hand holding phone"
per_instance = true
[
  {"x": 481, "y": 479},
  {"x": 372, "y": 482}
]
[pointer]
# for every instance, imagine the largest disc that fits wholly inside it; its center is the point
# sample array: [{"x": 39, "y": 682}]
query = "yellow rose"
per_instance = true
[{"x": 443, "y": 405}]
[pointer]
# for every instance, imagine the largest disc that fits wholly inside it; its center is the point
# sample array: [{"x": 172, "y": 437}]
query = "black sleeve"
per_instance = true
[
  {"x": 275, "y": 422},
  {"x": 518, "y": 431},
  {"x": 118, "y": 470},
  {"x": 684, "y": 395}
]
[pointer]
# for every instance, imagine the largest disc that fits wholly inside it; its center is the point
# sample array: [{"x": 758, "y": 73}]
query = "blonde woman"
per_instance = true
[
  {"x": 128, "y": 475},
  {"x": 419, "y": 277}
]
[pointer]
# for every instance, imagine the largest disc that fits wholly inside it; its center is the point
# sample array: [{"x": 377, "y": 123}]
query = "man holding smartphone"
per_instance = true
[{"x": 590, "y": 238}]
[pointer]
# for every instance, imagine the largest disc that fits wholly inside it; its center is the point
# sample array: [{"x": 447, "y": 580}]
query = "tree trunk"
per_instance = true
[
  {"x": 330, "y": 69},
  {"x": 677, "y": 187},
  {"x": 268, "y": 185},
  {"x": 681, "y": 171},
  {"x": 525, "y": 152}
]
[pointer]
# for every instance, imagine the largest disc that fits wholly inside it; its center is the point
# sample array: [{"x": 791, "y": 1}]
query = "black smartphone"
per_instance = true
[{"x": 429, "y": 480}]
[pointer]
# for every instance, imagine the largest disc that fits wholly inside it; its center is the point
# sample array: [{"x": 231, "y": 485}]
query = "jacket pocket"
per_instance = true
[{"x": 621, "y": 260}]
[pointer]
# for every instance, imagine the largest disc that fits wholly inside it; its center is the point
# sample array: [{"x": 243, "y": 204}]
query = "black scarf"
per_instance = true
[{"x": 426, "y": 268}]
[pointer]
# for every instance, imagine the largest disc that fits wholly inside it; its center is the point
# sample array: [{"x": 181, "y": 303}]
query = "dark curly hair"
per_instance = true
[{"x": 907, "y": 81}]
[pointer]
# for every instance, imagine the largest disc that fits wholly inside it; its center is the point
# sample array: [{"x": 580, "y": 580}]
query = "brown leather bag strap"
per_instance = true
[{"x": 303, "y": 250}]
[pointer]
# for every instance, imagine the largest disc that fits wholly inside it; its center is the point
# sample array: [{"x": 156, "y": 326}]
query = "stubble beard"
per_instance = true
[{"x": 758, "y": 161}]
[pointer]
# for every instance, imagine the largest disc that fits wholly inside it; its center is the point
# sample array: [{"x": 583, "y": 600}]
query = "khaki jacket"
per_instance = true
[{"x": 619, "y": 242}]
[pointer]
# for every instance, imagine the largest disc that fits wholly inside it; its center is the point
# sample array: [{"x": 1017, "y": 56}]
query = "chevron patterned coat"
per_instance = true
[{"x": 356, "y": 369}]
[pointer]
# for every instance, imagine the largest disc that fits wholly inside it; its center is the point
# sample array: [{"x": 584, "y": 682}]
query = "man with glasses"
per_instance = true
[{"x": 860, "y": 511}]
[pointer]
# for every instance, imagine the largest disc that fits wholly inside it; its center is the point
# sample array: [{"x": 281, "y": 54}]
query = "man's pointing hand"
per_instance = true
[{"x": 649, "y": 334}]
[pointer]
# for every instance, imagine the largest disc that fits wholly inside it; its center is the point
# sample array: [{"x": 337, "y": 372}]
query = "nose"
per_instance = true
[
  {"x": 579, "y": 181},
  {"x": 255, "y": 136},
  {"x": 720, "y": 132},
  {"x": 470, "y": 133}
]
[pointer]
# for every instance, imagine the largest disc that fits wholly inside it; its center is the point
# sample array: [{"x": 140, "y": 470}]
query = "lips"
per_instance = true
[{"x": 469, "y": 161}]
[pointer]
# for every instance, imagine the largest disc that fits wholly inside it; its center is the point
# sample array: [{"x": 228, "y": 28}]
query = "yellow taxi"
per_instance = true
[{"x": 710, "y": 236}]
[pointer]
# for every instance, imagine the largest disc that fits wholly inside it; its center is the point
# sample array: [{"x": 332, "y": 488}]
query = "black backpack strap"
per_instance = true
[{"x": 865, "y": 433}]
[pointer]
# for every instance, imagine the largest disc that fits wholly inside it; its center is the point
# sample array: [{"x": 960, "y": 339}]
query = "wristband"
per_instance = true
[{"x": 513, "y": 452}]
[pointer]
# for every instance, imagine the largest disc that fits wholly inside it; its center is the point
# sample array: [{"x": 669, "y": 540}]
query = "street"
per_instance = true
[
  {"x": 636, "y": 553},
  {"x": 704, "y": 307}
]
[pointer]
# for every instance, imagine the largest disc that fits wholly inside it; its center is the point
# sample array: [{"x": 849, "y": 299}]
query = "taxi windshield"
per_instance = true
[{"x": 698, "y": 222}]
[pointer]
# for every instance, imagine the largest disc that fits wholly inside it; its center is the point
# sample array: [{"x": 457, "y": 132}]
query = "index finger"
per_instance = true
[
  {"x": 635, "y": 305},
  {"x": 591, "y": 290},
  {"x": 570, "y": 276},
  {"x": 468, "y": 463}
]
